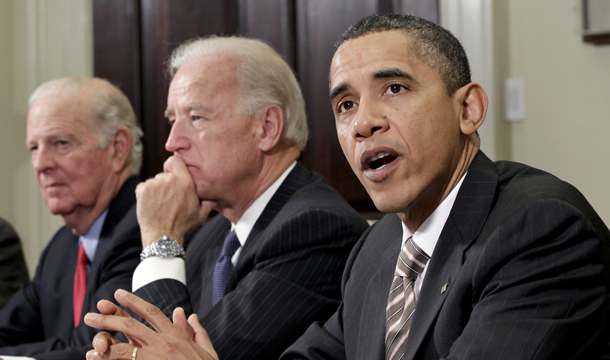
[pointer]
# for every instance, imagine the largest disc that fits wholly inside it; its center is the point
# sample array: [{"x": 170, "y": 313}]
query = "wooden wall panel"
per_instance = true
[
  {"x": 272, "y": 21},
  {"x": 133, "y": 40},
  {"x": 116, "y": 46},
  {"x": 319, "y": 25}
]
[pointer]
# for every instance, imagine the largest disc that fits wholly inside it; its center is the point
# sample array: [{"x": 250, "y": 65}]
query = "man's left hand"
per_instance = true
[{"x": 184, "y": 339}]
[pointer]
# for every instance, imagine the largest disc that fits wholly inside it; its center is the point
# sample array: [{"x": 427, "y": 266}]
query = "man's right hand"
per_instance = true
[{"x": 168, "y": 204}]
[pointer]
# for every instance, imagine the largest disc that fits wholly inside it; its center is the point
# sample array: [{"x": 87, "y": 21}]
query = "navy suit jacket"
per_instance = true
[
  {"x": 39, "y": 320},
  {"x": 287, "y": 276},
  {"x": 520, "y": 271}
]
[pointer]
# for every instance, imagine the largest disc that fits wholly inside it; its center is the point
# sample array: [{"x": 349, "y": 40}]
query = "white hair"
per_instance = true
[
  {"x": 264, "y": 78},
  {"x": 111, "y": 110}
]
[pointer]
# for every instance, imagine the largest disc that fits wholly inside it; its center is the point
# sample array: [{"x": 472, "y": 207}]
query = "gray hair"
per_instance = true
[
  {"x": 111, "y": 110},
  {"x": 433, "y": 45},
  {"x": 264, "y": 79}
]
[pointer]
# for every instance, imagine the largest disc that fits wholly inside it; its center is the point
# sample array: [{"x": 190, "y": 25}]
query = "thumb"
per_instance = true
[{"x": 201, "y": 336}]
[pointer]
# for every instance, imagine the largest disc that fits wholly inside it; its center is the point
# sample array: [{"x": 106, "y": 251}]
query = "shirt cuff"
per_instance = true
[{"x": 156, "y": 268}]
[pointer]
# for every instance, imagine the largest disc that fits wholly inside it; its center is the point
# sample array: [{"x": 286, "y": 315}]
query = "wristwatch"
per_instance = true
[{"x": 165, "y": 247}]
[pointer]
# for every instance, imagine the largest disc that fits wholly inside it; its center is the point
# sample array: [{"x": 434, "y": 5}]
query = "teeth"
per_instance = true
[{"x": 379, "y": 156}]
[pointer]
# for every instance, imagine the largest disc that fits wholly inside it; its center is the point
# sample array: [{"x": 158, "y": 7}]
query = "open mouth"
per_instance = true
[{"x": 380, "y": 160}]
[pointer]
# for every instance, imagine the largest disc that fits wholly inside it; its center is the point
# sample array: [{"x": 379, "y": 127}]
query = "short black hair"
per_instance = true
[{"x": 433, "y": 44}]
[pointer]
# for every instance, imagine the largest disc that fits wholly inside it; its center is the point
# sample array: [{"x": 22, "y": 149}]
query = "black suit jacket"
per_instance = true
[
  {"x": 288, "y": 273},
  {"x": 525, "y": 261},
  {"x": 39, "y": 320},
  {"x": 13, "y": 272}
]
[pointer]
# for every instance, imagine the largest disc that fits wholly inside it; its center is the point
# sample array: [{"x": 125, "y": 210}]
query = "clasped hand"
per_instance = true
[{"x": 182, "y": 339}]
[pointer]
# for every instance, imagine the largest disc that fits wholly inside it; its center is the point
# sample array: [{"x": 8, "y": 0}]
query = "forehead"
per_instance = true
[
  {"x": 214, "y": 73},
  {"x": 363, "y": 56},
  {"x": 69, "y": 113}
]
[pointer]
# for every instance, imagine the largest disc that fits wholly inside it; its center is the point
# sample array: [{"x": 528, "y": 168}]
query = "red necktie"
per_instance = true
[{"x": 80, "y": 284}]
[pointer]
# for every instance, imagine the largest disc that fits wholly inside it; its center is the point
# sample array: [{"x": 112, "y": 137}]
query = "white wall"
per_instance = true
[
  {"x": 40, "y": 40},
  {"x": 567, "y": 97}
]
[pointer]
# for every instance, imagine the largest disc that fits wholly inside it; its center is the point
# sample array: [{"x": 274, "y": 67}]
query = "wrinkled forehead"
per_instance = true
[
  {"x": 211, "y": 70},
  {"x": 72, "y": 112}
]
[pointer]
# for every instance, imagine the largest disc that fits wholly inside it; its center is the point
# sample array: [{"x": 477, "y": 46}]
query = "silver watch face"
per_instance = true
[{"x": 168, "y": 247}]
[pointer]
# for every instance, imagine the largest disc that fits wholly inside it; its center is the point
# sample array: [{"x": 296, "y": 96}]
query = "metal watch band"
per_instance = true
[{"x": 165, "y": 247}]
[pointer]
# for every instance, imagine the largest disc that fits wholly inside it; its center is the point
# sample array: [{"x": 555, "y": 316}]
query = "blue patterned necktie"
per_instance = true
[{"x": 224, "y": 266}]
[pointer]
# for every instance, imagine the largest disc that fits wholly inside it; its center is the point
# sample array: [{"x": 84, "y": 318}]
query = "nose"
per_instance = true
[
  {"x": 369, "y": 120},
  {"x": 43, "y": 159},
  {"x": 178, "y": 139}
]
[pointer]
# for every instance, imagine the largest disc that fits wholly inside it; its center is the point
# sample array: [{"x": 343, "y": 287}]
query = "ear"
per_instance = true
[
  {"x": 272, "y": 127},
  {"x": 472, "y": 100},
  {"x": 121, "y": 146}
]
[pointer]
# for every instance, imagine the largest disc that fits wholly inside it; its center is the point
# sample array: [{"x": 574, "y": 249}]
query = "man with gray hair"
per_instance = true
[
  {"x": 86, "y": 151},
  {"x": 271, "y": 261}
]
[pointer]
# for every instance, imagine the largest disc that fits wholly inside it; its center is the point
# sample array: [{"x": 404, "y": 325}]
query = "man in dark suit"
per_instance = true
[
  {"x": 86, "y": 151},
  {"x": 518, "y": 259},
  {"x": 13, "y": 272},
  {"x": 238, "y": 127},
  {"x": 476, "y": 260}
]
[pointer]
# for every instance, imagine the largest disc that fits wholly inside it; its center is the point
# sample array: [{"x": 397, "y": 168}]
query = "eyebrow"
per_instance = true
[
  {"x": 393, "y": 73},
  {"x": 338, "y": 90},
  {"x": 190, "y": 107}
]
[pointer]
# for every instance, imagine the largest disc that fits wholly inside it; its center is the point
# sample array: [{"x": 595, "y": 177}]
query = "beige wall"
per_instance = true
[
  {"x": 40, "y": 40},
  {"x": 567, "y": 96}
]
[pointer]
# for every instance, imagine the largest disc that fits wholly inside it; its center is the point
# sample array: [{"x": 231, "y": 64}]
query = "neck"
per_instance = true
[
  {"x": 274, "y": 165},
  {"x": 421, "y": 209},
  {"x": 82, "y": 218}
]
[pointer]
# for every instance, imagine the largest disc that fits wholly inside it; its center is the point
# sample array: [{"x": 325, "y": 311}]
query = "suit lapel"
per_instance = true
[
  {"x": 467, "y": 217},
  {"x": 387, "y": 239},
  {"x": 120, "y": 205},
  {"x": 298, "y": 177}
]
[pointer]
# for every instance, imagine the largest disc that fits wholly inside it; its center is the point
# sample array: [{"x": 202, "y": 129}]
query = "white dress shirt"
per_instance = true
[
  {"x": 428, "y": 233},
  {"x": 156, "y": 268}
]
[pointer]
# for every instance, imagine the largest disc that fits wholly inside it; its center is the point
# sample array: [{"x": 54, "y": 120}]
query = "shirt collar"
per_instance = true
[
  {"x": 428, "y": 233},
  {"x": 246, "y": 222},
  {"x": 92, "y": 237}
]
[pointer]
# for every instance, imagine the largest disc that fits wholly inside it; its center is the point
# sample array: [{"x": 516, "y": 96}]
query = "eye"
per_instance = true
[
  {"x": 345, "y": 106},
  {"x": 395, "y": 89},
  {"x": 33, "y": 148}
]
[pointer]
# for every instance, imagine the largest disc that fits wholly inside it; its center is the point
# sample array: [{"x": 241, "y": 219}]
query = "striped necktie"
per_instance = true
[{"x": 401, "y": 301}]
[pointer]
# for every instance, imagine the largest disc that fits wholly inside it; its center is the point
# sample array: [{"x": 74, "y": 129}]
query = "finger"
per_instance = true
[
  {"x": 174, "y": 164},
  {"x": 179, "y": 319},
  {"x": 122, "y": 351},
  {"x": 201, "y": 335},
  {"x": 102, "y": 341},
  {"x": 94, "y": 355},
  {"x": 205, "y": 209},
  {"x": 135, "y": 331},
  {"x": 109, "y": 308},
  {"x": 145, "y": 310}
]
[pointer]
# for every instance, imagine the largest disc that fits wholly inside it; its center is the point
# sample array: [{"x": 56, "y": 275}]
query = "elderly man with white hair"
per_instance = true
[{"x": 86, "y": 151}]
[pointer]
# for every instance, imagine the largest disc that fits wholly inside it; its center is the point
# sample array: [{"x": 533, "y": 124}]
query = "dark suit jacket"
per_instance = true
[
  {"x": 525, "y": 260},
  {"x": 13, "y": 272},
  {"x": 39, "y": 321},
  {"x": 288, "y": 273}
]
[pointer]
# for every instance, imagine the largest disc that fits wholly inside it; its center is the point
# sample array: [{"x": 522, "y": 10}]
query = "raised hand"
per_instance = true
[{"x": 168, "y": 204}]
